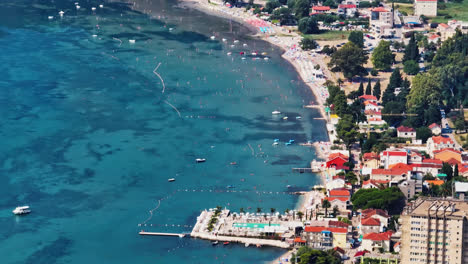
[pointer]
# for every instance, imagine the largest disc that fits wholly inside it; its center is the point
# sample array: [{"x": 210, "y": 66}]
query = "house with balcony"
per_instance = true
[
  {"x": 323, "y": 238},
  {"x": 438, "y": 143},
  {"x": 406, "y": 132},
  {"x": 374, "y": 241}
]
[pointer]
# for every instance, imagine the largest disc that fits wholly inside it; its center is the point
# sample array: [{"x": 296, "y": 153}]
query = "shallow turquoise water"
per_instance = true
[{"x": 88, "y": 139}]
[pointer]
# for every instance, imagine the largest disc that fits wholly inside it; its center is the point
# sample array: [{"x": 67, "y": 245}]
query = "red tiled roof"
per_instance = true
[
  {"x": 414, "y": 153},
  {"x": 299, "y": 240},
  {"x": 370, "y": 212},
  {"x": 347, "y": 6},
  {"x": 394, "y": 172},
  {"x": 339, "y": 192},
  {"x": 374, "y": 119},
  {"x": 343, "y": 199},
  {"x": 321, "y": 8},
  {"x": 435, "y": 182},
  {"x": 444, "y": 25},
  {"x": 375, "y": 182},
  {"x": 337, "y": 155},
  {"x": 463, "y": 169},
  {"x": 446, "y": 149},
  {"x": 317, "y": 229},
  {"x": 434, "y": 161},
  {"x": 433, "y": 125},
  {"x": 332, "y": 223},
  {"x": 432, "y": 37},
  {"x": 339, "y": 250},
  {"x": 405, "y": 129},
  {"x": 401, "y": 166},
  {"x": 378, "y": 236},
  {"x": 379, "y": 9},
  {"x": 441, "y": 139},
  {"x": 360, "y": 253},
  {"x": 371, "y": 103},
  {"x": 368, "y": 97},
  {"x": 370, "y": 155},
  {"x": 370, "y": 222},
  {"x": 452, "y": 161},
  {"x": 372, "y": 112},
  {"x": 394, "y": 153}
]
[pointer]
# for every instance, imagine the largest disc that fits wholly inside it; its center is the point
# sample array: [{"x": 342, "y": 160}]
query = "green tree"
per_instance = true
[
  {"x": 283, "y": 14},
  {"x": 272, "y": 210},
  {"x": 300, "y": 215},
  {"x": 349, "y": 60},
  {"x": 301, "y": 9},
  {"x": 447, "y": 169},
  {"x": 259, "y": 209},
  {"x": 340, "y": 103},
  {"x": 411, "y": 67},
  {"x": 424, "y": 92},
  {"x": 360, "y": 90},
  {"x": 357, "y": 38},
  {"x": 330, "y": 3},
  {"x": 351, "y": 177},
  {"x": 377, "y": 91},
  {"x": 335, "y": 210},
  {"x": 291, "y": 4},
  {"x": 347, "y": 130},
  {"x": 272, "y": 5},
  {"x": 411, "y": 50},
  {"x": 241, "y": 210},
  {"x": 423, "y": 133},
  {"x": 455, "y": 172},
  {"x": 325, "y": 205},
  {"x": 369, "y": 87},
  {"x": 308, "y": 25},
  {"x": 308, "y": 43},
  {"x": 382, "y": 57},
  {"x": 390, "y": 199}
]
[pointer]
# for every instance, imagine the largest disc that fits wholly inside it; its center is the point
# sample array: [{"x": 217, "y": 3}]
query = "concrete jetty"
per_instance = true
[
  {"x": 144, "y": 233},
  {"x": 244, "y": 240}
]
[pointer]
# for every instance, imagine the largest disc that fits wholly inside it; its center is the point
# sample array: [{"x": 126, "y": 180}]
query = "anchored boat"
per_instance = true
[
  {"x": 21, "y": 210},
  {"x": 200, "y": 160}
]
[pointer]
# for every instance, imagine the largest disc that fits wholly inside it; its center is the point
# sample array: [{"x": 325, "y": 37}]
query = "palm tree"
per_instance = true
[
  {"x": 241, "y": 210},
  {"x": 335, "y": 210},
  {"x": 326, "y": 204},
  {"x": 300, "y": 215},
  {"x": 272, "y": 210},
  {"x": 286, "y": 211},
  {"x": 259, "y": 209}
]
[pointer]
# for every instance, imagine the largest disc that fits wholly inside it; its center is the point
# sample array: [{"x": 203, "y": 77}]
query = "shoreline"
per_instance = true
[{"x": 295, "y": 58}]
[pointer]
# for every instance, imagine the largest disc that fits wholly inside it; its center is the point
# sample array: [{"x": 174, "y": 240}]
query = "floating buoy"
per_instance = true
[{"x": 132, "y": 41}]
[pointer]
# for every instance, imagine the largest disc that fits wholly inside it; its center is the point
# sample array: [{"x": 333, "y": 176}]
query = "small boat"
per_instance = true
[
  {"x": 291, "y": 141},
  {"x": 276, "y": 112},
  {"x": 50, "y": 17},
  {"x": 241, "y": 53},
  {"x": 287, "y": 143},
  {"x": 132, "y": 41},
  {"x": 266, "y": 58},
  {"x": 226, "y": 243},
  {"x": 247, "y": 244},
  {"x": 233, "y": 163},
  {"x": 93, "y": 8},
  {"x": 170, "y": 29},
  {"x": 94, "y": 36},
  {"x": 236, "y": 41},
  {"x": 276, "y": 140},
  {"x": 61, "y": 13},
  {"x": 200, "y": 160},
  {"x": 288, "y": 186},
  {"x": 229, "y": 53},
  {"x": 224, "y": 40},
  {"x": 101, "y": 6},
  {"x": 275, "y": 143},
  {"x": 212, "y": 37},
  {"x": 298, "y": 117},
  {"x": 215, "y": 243},
  {"x": 285, "y": 118},
  {"x": 264, "y": 53},
  {"x": 230, "y": 187},
  {"x": 245, "y": 44},
  {"x": 171, "y": 180},
  {"x": 78, "y": 7},
  {"x": 20, "y": 210},
  {"x": 243, "y": 58},
  {"x": 254, "y": 53}
]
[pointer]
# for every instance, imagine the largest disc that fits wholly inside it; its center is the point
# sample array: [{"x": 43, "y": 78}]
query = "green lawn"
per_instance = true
[
  {"x": 458, "y": 11},
  {"x": 330, "y": 35},
  {"x": 406, "y": 8}
]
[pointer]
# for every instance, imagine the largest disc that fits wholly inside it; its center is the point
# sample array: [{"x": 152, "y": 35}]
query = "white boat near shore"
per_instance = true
[
  {"x": 276, "y": 112},
  {"x": 171, "y": 180},
  {"x": 20, "y": 210},
  {"x": 200, "y": 160}
]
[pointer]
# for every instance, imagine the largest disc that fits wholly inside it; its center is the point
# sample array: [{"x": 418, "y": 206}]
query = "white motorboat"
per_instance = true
[
  {"x": 285, "y": 118},
  {"x": 78, "y": 7},
  {"x": 213, "y": 37},
  {"x": 21, "y": 210},
  {"x": 200, "y": 160},
  {"x": 224, "y": 40},
  {"x": 101, "y": 6},
  {"x": 236, "y": 41},
  {"x": 132, "y": 41},
  {"x": 50, "y": 17},
  {"x": 171, "y": 180},
  {"x": 93, "y": 8},
  {"x": 276, "y": 112},
  {"x": 61, "y": 13}
]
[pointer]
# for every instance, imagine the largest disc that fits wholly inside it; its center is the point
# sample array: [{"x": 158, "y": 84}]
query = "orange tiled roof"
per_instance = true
[
  {"x": 446, "y": 149},
  {"x": 441, "y": 139},
  {"x": 435, "y": 182},
  {"x": 370, "y": 222},
  {"x": 378, "y": 236}
]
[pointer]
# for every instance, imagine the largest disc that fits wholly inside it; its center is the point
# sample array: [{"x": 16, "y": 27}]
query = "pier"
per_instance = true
[{"x": 144, "y": 233}]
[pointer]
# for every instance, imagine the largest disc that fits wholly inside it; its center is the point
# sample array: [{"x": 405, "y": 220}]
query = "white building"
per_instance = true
[
  {"x": 438, "y": 143},
  {"x": 388, "y": 158},
  {"x": 348, "y": 10}
]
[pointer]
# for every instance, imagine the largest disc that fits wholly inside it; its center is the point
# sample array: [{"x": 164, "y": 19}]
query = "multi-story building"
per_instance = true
[
  {"x": 425, "y": 7},
  {"x": 381, "y": 19},
  {"x": 391, "y": 157},
  {"x": 438, "y": 143},
  {"x": 320, "y": 237},
  {"x": 435, "y": 230}
]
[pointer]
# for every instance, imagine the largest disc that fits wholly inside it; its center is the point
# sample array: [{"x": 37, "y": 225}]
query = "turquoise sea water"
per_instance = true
[{"x": 88, "y": 138}]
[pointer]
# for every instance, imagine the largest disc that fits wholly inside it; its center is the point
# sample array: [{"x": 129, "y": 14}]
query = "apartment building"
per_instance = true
[{"x": 435, "y": 231}]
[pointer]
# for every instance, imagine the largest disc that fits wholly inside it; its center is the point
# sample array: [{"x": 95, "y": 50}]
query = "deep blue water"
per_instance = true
[{"x": 88, "y": 139}]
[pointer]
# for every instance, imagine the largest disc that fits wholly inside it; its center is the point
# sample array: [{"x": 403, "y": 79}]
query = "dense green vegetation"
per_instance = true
[
  {"x": 390, "y": 199},
  {"x": 307, "y": 255},
  {"x": 349, "y": 59},
  {"x": 382, "y": 57}
]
